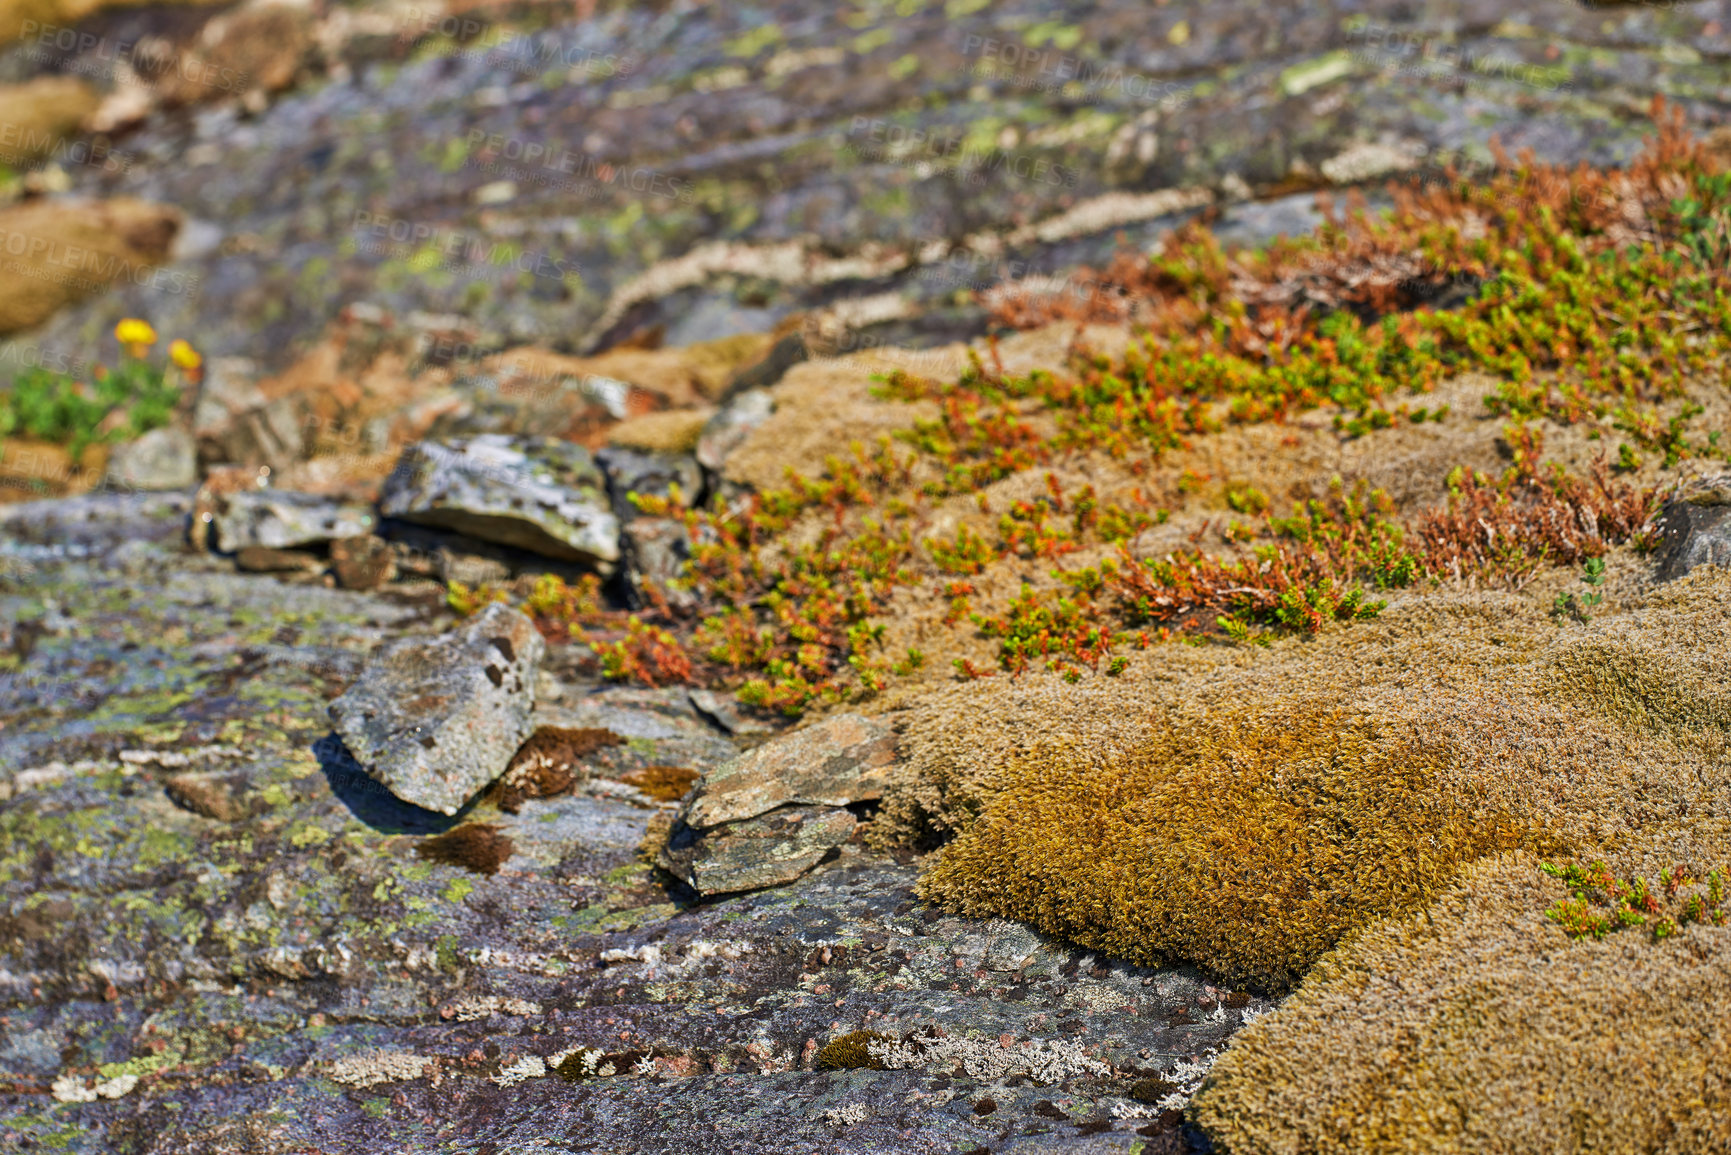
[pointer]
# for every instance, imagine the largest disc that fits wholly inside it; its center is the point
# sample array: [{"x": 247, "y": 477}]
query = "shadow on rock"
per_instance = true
[{"x": 369, "y": 801}]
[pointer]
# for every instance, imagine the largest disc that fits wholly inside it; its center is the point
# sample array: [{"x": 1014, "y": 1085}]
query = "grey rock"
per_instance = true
[
  {"x": 840, "y": 760},
  {"x": 767, "y": 850},
  {"x": 283, "y": 519},
  {"x": 731, "y": 425},
  {"x": 656, "y": 550},
  {"x": 164, "y": 458},
  {"x": 436, "y": 719},
  {"x": 538, "y": 494},
  {"x": 230, "y": 388},
  {"x": 1011, "y": 945},
  {"x": 1695, "y": 530},
  {"x": 650, "y": 474},
  {"x": 725, "y": 711}
]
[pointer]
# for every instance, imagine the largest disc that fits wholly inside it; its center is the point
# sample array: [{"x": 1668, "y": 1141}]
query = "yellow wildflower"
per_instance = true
[
  {"x": 184, "y": 355},
  {"x": 136, "y": 335}
]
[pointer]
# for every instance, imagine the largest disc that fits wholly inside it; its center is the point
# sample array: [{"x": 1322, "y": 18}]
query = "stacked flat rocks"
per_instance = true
[{"x": 774, "y": 812}]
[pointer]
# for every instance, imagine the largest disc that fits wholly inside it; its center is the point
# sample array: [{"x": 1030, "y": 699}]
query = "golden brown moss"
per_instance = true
[
  {"x": 1246, "y": 810},
  {"x": 478, "y": 847},
  {"x": 1479, "y": 1026},
  {"x": 1248, "y": 844},
  {"x": 851, "y": 1052},
  {"x": 662, "y": 783},
  {"x": 550, "y": 763}
]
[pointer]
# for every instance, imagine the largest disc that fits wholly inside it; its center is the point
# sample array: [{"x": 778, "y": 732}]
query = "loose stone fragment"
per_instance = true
[
  {"x": 764, "y": 851},
  {"x": 841, "y": 760},
  {"x": 436, "y": 719}
]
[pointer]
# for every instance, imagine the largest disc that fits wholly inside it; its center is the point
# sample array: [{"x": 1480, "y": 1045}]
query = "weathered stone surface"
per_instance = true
[
  {"x": 726, "y": 711},
  {"x": 731, "y": 425},
  {"x": 656, "y": 550},
  {"x": 164, "y": 458},
  {"x": 234, "y": 422},
  {"x": 344, "y": 944},
  {"x": 436, "y": 719},
  {"x": 650, "y": 474},
  {"x": 538, "y": 494},
  {"x": 363, "y": 563},
  {"x": 264, "y": 559},
  {"x": 1696, "y": 530},
  {"x": 281, "y": 519},
  {"x": 763, "y": 851},
  {"x": 838, "y": 761}
]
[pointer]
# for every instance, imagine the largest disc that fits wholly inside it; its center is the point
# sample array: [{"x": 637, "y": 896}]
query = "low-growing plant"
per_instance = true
[
  {"x": 116, "y": 404},
  {"x": 1602, "y": 904}
]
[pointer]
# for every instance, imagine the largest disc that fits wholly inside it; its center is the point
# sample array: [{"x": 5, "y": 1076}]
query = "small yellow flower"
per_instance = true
[
  {"x": 184, "y": 355},
  {"x": 135, "y": 334}
]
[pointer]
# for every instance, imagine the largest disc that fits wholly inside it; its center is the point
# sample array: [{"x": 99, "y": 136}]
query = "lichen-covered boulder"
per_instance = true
[
  {"x": 538, "y": 494},
  {"x": 437, "y": 719}
]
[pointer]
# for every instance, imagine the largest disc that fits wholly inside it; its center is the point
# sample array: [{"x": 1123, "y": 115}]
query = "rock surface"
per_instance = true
[
  {"x": 164, "y": 458},
  {"x": 1696, "y": 530},
  {"x": 296, "y": 978},
  {"x": 283, "y": 519},
  {"x": 767, "y": 850},
  {"x": 435, "y": 720},
  {"x": 363, "y": 563},
  {"x": 536, "y": 494},
  {"x": 731, "y": 425},
  {"x": 836, "y": 762}
]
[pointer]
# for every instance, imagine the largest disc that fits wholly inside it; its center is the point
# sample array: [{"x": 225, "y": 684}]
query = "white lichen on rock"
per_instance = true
[
  {"x": 473, "y": 1007},
  {"x": 846, "y": 1115},
  {"x": 1043, "y": 1061},
  {"x": 528, "y": 1067},
  {"x": 379, "y": 1066}
]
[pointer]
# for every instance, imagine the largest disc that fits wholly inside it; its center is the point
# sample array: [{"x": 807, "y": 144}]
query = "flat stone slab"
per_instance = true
[
  {"x": 838, "y": 761},
  {"x": 436, "y": 719},
  {"x": 764, "y": 851},
  {"x": 283, "y": 519},
  {"x": 535, "y": 493}
]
